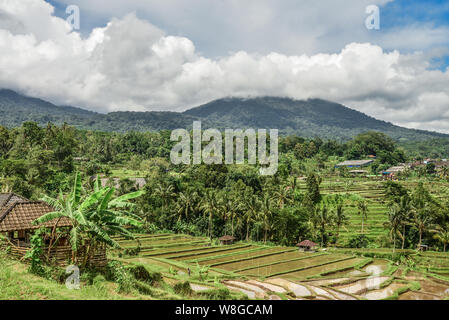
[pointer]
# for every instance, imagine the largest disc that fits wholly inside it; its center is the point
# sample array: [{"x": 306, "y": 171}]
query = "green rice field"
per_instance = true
[{"x": 259, "y": 271}]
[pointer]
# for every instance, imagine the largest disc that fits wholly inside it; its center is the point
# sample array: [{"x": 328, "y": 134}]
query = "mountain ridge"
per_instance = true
[{"x": 307, "y": 118}]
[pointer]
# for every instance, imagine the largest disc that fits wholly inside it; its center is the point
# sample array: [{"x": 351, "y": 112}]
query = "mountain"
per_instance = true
[{"x": 307, "y": 118}]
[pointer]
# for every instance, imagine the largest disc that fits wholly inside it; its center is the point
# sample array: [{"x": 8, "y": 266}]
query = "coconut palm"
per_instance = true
[
  {"x": 210, "y": 206},
  {"x": 166, "y": 193},
  {"x": 284, "y": 195},
  {"x": 422, "y": 211},
  {"x": 186, "y": 204},
  {"x": 404, "y": 210},
  {"x": 394, "y": 222},
  {"x": 324, "y": 218},
  {"x": 444, "y": 173},
  {"x": 442, "y": 235},
  {"x": 340, "y": 218},
  {"x": 266, "y": 212},
  {"x": 421, "y": 219},
  {"x": 362, "y": 210},
  {"x": 251, "y": 205}
]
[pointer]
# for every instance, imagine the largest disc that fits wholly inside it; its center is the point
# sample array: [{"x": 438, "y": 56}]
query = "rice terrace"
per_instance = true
[{"x": 277, "y": 272}]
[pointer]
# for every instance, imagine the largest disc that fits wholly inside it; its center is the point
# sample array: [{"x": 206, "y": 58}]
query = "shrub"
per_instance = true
[
  {"x": 358, "y": 241},
  {"x": 142, "y": 274},
  {"x": 217, "y": 294},
  {"x": 115, "y": 271},
  {"x": 183, "y": 288}
]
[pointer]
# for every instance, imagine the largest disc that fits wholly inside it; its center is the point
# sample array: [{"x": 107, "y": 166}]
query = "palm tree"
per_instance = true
[
  {"x": 166, "y": 193},
  {"x": 284, "y": 195},
  {"x": 422, "y": 211},
  {"x": 186, "y": 204},
  {"x": 442, "y": 235},
  {"x": 362, "y": 210},
  {"x": 228, "y": 209},
  {"x": 339, "y": 214},
  {"x": 251, "y": 205},
  {"x": 210, "y": 205},
  {"x": 323, "y": 218},
  {"x": 444, "y": 173},
  {"x": 266, "y": 213},
  {"x": 95, "y": 217},
  {"x": 421, "y": 218},
  {"x": 404, "y": 209},
  {"x": 394, "y": 222}
]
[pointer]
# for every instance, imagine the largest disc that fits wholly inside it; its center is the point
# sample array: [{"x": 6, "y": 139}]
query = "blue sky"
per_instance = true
[{"x": 401, "y": 12}]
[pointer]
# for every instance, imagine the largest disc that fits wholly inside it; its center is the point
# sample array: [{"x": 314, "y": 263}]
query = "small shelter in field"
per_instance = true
[
  {"x": 307, "y": 245},
  {"x": 227, "y": 240},
  {"x": 16, "y": 225},
  {"x": 423, "y": 247},
  {"x": 354, "y": 163}
]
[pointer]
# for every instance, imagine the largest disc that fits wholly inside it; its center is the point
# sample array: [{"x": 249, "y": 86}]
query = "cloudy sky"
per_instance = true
[{"x": 174, "y": 54}]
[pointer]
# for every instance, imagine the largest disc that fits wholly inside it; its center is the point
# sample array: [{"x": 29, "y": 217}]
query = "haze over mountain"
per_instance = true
[{"x": 307, "y": 118}]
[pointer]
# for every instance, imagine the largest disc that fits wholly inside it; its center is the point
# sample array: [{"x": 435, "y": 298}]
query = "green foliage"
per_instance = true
[
  {"x": 36, "y": 252},
  {"x": 142, "y": 274},
  {"x": 358, "y": 241},
  {"x": 183, "y": 288},
  {"x": 216, "y": 294},
  {"x": 115, "y": 271}
]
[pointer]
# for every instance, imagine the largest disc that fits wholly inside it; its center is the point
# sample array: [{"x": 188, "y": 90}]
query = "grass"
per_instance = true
[{"x": 16, "y": 283}]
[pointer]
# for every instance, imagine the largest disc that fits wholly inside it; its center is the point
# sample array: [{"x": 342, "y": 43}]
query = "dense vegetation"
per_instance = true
[
  {"x": 217, "y": 199},
  {"x": 311, "y": 118}
]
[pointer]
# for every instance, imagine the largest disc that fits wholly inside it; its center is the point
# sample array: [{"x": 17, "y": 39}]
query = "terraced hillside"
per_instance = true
[
  {"x": 265, "y": 272},
  {"x": 373, "y": 192}
]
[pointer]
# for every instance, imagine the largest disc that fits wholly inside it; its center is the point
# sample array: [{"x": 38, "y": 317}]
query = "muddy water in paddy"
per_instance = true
[
  {"x": 384, "y": 292},
  {"x": 362, "y": 286},
  {"x": 428, "y": 286},
  {"x": 303, "y": 274},
  {"x": 376, "y": 267},
  {"x": 268, "y": 286},
  {"x": 250, "y": 294},
  {"x": 413, "y": 295}
]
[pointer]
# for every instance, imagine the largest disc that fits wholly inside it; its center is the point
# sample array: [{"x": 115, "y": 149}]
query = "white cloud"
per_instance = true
[{"x": 131, "y": 64}]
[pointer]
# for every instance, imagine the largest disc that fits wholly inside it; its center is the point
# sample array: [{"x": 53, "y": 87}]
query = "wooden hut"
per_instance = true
[
  {"x": 16, "y": 223},
  {"x": 227, "y": 240},
  {"x": 307, "y": 245}
]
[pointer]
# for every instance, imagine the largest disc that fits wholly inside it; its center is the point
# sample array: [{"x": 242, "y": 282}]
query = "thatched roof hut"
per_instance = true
[
  {"x": 226, "y": 240},
  {"x": 307, "y": 245}
]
